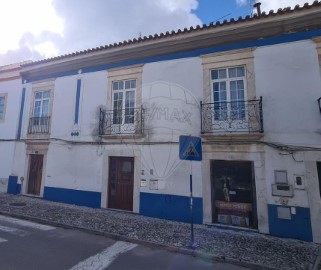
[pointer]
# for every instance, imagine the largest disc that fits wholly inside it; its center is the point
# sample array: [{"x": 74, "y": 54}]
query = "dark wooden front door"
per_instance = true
[
  {"x": 121, "y": 183},
  {"x": 35, "y": 174}
]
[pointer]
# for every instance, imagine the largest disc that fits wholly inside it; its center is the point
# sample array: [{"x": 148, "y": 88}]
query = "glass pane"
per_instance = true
[
  {"x": 223, "y": 96},
  {"x": 233, "y": 85},
  {"x": 121, "y": 85},
  {"x": 232, "y": 72},
  {"x": 115, "y": 86},
  {"x": 127, "y": 84},
  {"x": 214, "y": 74},
  {"x": 222, "y": 86},
  {"x": 36, "y": 111},
  {"x": 133, "y": 83},
  {"x": 222, "y": 73},
  {"x": 130, "y": 94},
  {"x": 129, "y": 116},
  {"x": 233, "y": 95},
  {"x": 45, "y": 108},
  {"x": 240, "y": 84},
  {"x": 216, "y": 87},
  {"x": 1, "y": 101},
  {"x": 240, "y": 72},
  {"x": 38, "y": 95},
  {"x": 46, "y": 94},
  {"x": 240, "y": 94},
  {"x": 216, "y": 96}
]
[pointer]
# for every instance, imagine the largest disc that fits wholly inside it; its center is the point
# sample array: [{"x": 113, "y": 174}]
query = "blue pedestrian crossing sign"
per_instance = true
[{"x": 190, "y": 148}]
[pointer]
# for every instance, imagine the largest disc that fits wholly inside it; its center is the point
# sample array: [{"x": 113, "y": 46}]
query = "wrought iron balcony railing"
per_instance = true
[
  {"x": 124, "y": 121},
  {"x": 39, "y": 125},
  {"x": 232, "y": 117}
]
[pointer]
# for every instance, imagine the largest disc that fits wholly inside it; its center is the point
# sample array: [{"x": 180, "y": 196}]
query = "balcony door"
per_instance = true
[
  {"x": 124, "y": 102},
  {"x": 40, "y": 119},
  {"x": 229, "y": 96},
  {"x": 121, "y": 183}
]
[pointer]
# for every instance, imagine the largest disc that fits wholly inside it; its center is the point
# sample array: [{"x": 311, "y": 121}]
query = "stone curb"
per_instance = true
[{"x": 118, "y": 237}]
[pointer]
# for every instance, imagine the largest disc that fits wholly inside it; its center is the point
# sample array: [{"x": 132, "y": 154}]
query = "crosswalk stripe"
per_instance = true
[
  {"x": 103, "y": 259},
  {"x": 3, "y": 240},
  {"x": 26, "y": 223},
  {"x": 13, "y": 231}
]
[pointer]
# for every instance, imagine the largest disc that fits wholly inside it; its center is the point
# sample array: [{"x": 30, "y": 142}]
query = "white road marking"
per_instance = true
[
  {"x": 3, "y": 240},
  {"x": 103, "y": 259},
  {"x": 13, "y": 231},
  {"x": 26, "y": 223}
]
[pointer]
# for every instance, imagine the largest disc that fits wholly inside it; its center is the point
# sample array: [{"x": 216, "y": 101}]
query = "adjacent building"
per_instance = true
[{"x": 100, "y": 128}]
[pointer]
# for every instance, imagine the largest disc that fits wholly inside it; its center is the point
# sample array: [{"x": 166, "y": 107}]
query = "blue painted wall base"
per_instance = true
[
  {"x": 72, "y": 196},
  {"x": 171, "y": 207},
  {"x": 298, "y": 227}
]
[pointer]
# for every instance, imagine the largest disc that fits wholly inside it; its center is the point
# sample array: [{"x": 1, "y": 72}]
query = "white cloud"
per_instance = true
[
  {"x": 18, "y": 17},
  {"x": 44, "y": 28},
  {"x": 241, "y": 2},
  {"x": 47, "y": 49},
  {"x": 268, "y": 5}
]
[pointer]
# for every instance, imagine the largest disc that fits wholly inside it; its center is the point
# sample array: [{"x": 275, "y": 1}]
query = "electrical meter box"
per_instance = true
[{"x": 282, "y": 190}]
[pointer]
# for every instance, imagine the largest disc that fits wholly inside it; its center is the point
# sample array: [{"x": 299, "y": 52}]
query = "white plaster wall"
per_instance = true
[
  {"x": 13, "y": 89},
  {"x": 20, "y": 161},
  {"x": 73, "y": 167},
  {"x": 6, "y": 158},
  {"x": 287, "y": 76},
  {"x": 172, "y": 173},
  {"x": 93, "y": 96},
  {"x": 172, "y": 91},
  {"x": 8, "y": 127},
  {"x": 63, "y": 111},
  {"x": 277, "y": 160}
]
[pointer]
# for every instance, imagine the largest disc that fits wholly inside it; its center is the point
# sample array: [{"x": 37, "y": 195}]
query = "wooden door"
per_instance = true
[
  {"x": 35, "y": 174},
  {"x": 121, "y": 183}
]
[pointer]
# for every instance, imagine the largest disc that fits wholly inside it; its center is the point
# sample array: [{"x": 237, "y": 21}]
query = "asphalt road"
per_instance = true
[{"x": 30, "y": 246}]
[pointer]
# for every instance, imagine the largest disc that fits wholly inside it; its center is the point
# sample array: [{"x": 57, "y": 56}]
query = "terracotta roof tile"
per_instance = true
[{"x": 247, "y": 18}]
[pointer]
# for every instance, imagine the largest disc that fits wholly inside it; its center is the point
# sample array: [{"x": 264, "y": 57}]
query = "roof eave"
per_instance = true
[{"x": 263, "y": 27}]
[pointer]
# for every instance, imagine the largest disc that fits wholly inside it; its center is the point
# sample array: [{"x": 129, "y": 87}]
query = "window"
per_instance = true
[
  {"x": 228, "y": 88},
  {"x": 124, "y": 101},
  {"x": 3, "y": 98},
  {"x": 39, "y": 123},
  {"x": 124, "y": 114},
  {"x": 230, "y": 104},
  {"x": 41, "y": 104}
]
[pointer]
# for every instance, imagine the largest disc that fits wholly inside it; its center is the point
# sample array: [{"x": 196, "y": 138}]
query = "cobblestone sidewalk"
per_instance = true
[{"x": 231, "y": 245}]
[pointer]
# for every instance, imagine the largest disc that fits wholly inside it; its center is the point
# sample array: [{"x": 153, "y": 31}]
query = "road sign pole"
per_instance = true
[
  {"x": 190, "y": 148},
  {"x": 193, "y": 245}
]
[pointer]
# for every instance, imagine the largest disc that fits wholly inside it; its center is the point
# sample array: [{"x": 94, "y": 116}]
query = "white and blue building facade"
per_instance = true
[{"x": 100, "y": 128}]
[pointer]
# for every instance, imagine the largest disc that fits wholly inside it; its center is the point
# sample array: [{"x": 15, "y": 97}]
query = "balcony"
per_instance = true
[
  {"x": 39, "y": 125},
  {"x": 240, "y": 117},
  {"x": 121, "y": 122}
]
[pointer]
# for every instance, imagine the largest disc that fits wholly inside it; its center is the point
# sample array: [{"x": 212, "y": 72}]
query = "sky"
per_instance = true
[{"x": 41, "y": 29}]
